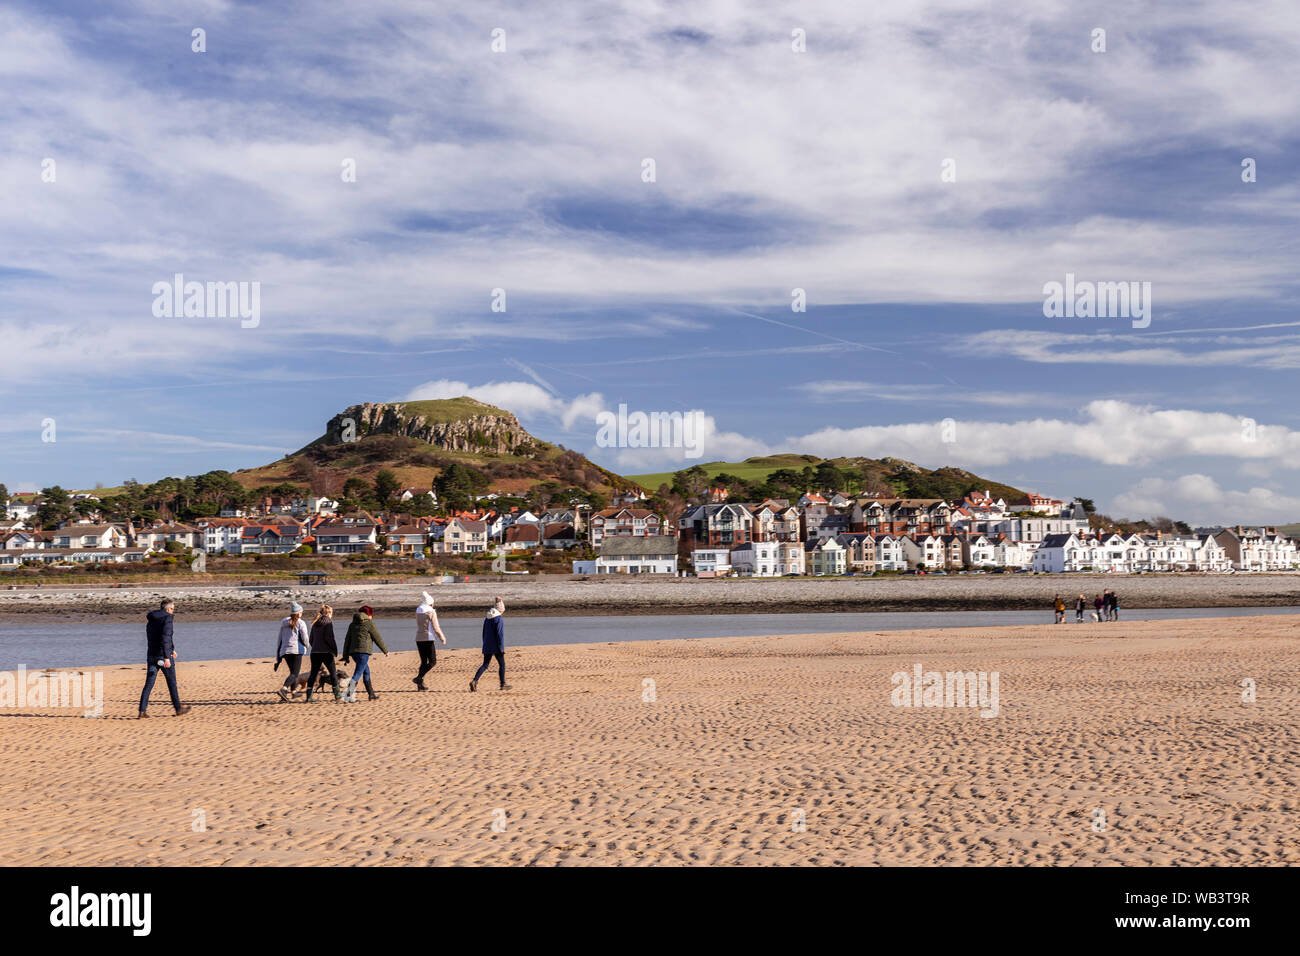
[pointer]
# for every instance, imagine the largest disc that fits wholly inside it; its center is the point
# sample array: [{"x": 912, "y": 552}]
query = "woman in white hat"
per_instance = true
[
  {"x": 426, "y": 627},
  {"x": 293, "y": 643}
]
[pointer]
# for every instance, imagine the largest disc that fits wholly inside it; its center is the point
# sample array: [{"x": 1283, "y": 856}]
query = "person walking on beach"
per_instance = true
[
  {"x": 291, "y": 645},
  {"x": 1112, "y": 605},
  {"x": 1059, "y": 606},
  {"x": 1098, "y": 608},
  {"x": 357, "y": 647},
  {"x": 1080, "y": 605},
  {"x": 161, "y": 654},
  {"x": 426, "y": 626},
  {"x": 494, "y": 644},
  {"x": 323, "y": 651}
]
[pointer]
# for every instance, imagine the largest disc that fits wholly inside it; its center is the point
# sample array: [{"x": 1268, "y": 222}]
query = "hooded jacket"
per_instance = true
[
  {"x": 494, "y": 632},
  {"x": 361, "y": 634},
  {"x": 158, "y": 633}
]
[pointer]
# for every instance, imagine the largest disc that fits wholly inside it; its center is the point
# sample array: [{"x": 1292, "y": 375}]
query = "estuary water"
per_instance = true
[{"x": 43, "y": 642}]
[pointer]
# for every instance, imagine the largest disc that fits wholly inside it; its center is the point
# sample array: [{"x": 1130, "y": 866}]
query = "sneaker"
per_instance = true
[
  {"x": 284, "y": 693},
  {"x": 182, "y": 710},
  {"x": 505, "y": 686},
  {"x": 141, "y": 715},
  {"x": 418, "y": 683},
  {"x": 473, "y": 685}
]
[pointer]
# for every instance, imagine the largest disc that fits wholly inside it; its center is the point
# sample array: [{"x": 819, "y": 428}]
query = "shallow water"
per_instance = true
[{"x": 93, "y": 643}]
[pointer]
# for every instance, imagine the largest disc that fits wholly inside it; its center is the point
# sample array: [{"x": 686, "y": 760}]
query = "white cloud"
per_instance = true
[
  {"x": 802, "y": 148},
  {"x": 1109, "y": 432},
  {"x": 843, "y": 391},
  {"x": 1199, "y": 500},
  {"x": 1104, "y": 346},
  {"x": 525, "y": 399}
]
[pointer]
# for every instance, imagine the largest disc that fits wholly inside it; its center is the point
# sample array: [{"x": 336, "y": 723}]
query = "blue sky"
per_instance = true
[{"x": 775, "y": 170}]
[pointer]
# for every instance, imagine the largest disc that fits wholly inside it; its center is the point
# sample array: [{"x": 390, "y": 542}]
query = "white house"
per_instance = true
[
  {"x": 926, "y": 549},
  {"x": 23, "y": 506},
  {"x": 222, "y": 535},
  {"x": 1060, "y": 553},
  {"x": 826, "y": 557},
  {"x": 343, "y": 538},
  {"x": 760, "y": 559},
  {"x": 890, "y": 554},
  {"x": 462, "y": 536},
  {"x": 19, "y": 541},
  {"x": 1032, "y": 529},
  {"x": 1014, "y": 554},
  {"x": 650, "y": 554},
  {"x": 85, "y": 536},
  {"x": 979, "y": 552},
  {"x": 715, "y": 562}
]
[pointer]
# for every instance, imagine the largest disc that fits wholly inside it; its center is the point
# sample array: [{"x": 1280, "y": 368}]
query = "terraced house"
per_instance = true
[
  {"x": 1257, "y": 549},
  {"x": 901, "y": 516},
  {"x": 776, "y": 520},
  {"x": 825, "y": 557},
  {"x": 270, "y": 539},
  {"x": 715, "y": 526},
  {"x": 859, "y": 551},
  {"x": 623, "y": 523}
]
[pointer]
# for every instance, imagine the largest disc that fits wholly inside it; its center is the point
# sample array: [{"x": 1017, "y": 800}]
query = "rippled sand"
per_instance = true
[{"x": 743, "y": 738}]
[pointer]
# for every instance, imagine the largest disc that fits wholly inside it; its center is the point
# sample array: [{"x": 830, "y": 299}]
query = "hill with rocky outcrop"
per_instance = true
[{"x": 419, "y": 440}]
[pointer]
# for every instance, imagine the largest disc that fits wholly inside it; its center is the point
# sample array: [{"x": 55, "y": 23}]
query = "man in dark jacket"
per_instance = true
[
  {"x": 494, "y": 644},
  {"x": 161, "y": 654}
]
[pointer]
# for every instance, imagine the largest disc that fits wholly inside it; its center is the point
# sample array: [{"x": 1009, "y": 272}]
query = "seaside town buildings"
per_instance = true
[{"x": 822, "y": 533}]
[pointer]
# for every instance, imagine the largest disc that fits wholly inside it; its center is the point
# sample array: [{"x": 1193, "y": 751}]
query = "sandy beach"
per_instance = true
[
  {"x": 693, "y": 752},
  {"x": 653, "y": 594}
]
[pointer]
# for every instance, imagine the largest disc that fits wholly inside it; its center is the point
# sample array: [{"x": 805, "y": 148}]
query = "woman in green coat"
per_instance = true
[{"x": 358, "y": 645}]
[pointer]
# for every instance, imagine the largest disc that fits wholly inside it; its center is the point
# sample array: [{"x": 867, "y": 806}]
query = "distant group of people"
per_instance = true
[
  {"x": 1105, "y": 607},
  {"x": 318, "y": 645}
]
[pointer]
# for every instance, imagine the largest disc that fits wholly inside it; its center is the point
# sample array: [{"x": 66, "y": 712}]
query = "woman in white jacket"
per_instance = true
[
  {"x": 294, "y": 642},
  {"x": 426, "y": 628}
]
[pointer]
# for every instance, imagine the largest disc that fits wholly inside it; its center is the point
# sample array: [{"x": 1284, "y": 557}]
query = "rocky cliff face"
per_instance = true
[{"x": 492, "y": 430}]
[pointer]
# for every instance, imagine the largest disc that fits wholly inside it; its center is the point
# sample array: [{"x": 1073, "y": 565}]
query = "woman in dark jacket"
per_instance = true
[
  {"x": 323, "y": 651},
  {"x": 494, "y": 644},
  {"x": 358, "y": 646}
]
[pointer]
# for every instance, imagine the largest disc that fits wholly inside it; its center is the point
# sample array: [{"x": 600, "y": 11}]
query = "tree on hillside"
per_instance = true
[
  {"x": 690, "y": 482},
  {"x": 54, "y": 508},
  {"x": 785, "y": 479},
  {"x": 732, "y": 483},
  {"x": 828, "y": 477},
  {"x": 463, "y": 478},
  {"x": 386, "y": 485},
  {"x": 355, "y": 488},
  {"x": 4, "y": 492}
]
